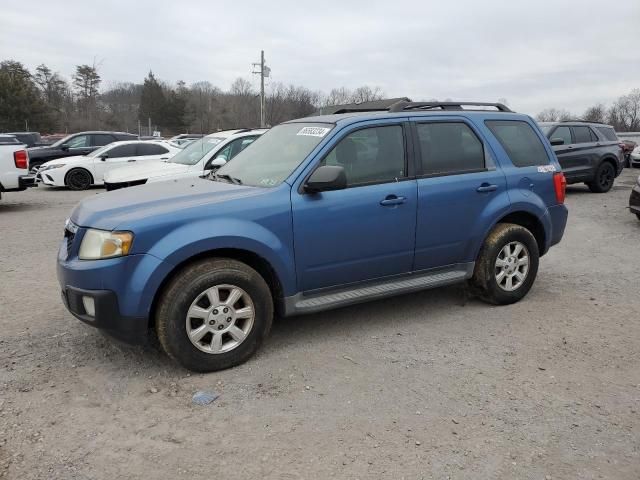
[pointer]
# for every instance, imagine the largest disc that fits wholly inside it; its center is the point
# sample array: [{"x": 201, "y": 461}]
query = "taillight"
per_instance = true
[
  {"x": 21, "y": 159},
  {"x": 560, "y": 185}
]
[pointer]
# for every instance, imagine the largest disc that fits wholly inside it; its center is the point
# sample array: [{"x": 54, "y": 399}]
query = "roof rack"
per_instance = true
[{"x": 403, "y": 106}]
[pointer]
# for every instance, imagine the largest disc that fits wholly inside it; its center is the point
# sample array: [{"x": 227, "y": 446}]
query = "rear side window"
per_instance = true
[
  {"x": 608, "y": 133},
  {"x": 564, "y": 133},
  {"x": 448, "y": 148},
  {"x": 101, "y": 139},
  {"x": 520, "y": 142},
  {"x": 582, "y": 134},
  {"x": 150, "y": 149}
]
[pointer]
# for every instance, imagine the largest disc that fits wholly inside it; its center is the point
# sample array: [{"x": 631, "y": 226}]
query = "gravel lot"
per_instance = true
[{"x": 427, "y": 385}]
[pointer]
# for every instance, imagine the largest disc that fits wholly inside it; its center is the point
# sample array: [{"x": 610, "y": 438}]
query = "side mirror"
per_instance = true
[
  {"x": 64, "y": 147},
  {"x": 557, "y": 141},
  {"x": 326, "y": 178},
  {"x": 104, "y": 156},
  {"x": 218, "y": 162}
]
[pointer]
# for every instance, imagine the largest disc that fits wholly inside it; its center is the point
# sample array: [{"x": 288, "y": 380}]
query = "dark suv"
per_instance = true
[
  {"x": 588, "y": 152},
  {"x": 76, "y": 144}
]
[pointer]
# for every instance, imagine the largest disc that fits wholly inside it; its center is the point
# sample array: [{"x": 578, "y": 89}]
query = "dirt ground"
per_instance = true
[{"x": 426, "y": 385}]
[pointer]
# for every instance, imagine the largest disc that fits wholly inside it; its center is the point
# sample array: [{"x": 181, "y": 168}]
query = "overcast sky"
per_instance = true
[{"x": 536, "y": 54}]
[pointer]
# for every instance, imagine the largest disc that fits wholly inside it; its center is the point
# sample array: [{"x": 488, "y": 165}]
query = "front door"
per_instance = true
[
  {"x": 367, "y": 230},
  {"x": 116, "y": 157}
]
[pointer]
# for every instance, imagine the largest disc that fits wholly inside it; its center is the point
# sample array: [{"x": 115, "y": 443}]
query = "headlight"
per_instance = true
[
  {"x": 49, "y": 167},
  {"x": 100, "y": 244}
]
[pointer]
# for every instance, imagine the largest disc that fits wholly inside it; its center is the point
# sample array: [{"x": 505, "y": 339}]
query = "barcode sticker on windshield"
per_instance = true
[{"x": 313, "y": 131}]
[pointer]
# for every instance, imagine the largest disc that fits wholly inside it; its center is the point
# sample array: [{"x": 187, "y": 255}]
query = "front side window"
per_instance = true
[
  {"x": 81, "y": 141},
  {"x": 520, "y": 142},
  {"x": 122, "y": 151},
  {"x": 582, "y": 134},
  {"x": 449, "y": 148},
  {"x": 370, "y": 155},
  {"x": 563, "y": 133}
]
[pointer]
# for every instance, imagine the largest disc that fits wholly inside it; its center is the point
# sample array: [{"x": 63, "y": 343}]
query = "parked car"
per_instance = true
[
  {"x": 588, "y": 152},
  {"x": 196, "y": 160},
  {"x": 182, "y": 142},
  {"x": 30, "y": 139},
  {"x": 319, "y": 213},
  {"x": 81, "y": 143},
  {"x": 14, "y": 165},
  {"x": 634, "y": 199},
  {"x": 80, "y": 172}
]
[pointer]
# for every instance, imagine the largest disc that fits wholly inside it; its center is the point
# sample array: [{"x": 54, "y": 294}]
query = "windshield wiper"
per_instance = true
[{"x": 228, "y": 178}]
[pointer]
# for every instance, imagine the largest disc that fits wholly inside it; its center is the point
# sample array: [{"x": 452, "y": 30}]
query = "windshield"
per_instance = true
[
  {"x": 62, "y": 141},
  {"x": 545, "y": 128},
  {"x": 276, "y": 154},
  {"x": 194, "y": 152}
]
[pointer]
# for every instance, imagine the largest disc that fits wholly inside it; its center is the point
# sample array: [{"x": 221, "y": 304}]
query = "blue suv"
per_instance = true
[{"x": 318, "y": 213}]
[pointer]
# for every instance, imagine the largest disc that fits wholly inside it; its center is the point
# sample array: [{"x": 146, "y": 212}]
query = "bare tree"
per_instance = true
[
  {"x": 596, "y": 113},
  {"x": 553, "y": 115}
]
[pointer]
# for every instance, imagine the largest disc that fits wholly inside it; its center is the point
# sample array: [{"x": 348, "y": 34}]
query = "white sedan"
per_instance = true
[
  {"x": 80, "y": 172},
  {"x": 196, "y": 160}
]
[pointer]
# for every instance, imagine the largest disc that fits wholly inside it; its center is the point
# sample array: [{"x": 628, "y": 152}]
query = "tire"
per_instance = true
[
  {"x": 485, "y": 281},
  {"x": 190, "y": 291},
  {"x": 78, "y": 179},
  {"x": 605, "y": 176},
  {"x": 33, "y": 167}
]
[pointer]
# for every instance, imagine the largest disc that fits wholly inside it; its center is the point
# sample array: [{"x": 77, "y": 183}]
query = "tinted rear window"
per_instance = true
[
  {"x": 609, "y": 133},
  {"x": 449, "y": 148},
  {"x": 519, "y": 141},
  {"x": 582, "y": 134}
]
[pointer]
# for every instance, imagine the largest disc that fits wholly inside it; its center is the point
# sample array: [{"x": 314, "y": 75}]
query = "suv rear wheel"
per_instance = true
[
  {"x": 214, "y": 314},
  {"x": 603, "y": 181},
  {"x": 507, "y": 265}
]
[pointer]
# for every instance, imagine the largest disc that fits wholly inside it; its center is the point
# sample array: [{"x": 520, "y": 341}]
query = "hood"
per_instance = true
[
  {"x": 66, "y": 160},
  {"x": 144, "y": 171},
  {"x": 122, "y": 208}
]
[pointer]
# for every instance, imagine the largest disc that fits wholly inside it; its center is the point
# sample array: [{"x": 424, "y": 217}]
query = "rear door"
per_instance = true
[
  {"x": 585, "y": 150},
  {"x": 566, "y": 153},
  {"x": 457, "y": 179}
]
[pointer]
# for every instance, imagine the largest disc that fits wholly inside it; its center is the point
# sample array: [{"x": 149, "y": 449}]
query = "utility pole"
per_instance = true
[{"x": 264, "y": 72}]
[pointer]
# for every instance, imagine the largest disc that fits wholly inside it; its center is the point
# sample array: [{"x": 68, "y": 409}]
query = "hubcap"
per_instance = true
[
  {"x": 512, "y": 266},
  {"x": 220, "y": 319}
]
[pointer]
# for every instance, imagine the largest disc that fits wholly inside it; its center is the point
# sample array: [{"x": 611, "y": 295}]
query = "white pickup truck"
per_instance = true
[{"x": 14, "y": 166}]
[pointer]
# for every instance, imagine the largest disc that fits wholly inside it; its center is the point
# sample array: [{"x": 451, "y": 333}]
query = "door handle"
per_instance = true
[
  {"x": 486, "y": 187},
  {"x": 131, "y": 160},
  {"x": 392, "y": 200}
]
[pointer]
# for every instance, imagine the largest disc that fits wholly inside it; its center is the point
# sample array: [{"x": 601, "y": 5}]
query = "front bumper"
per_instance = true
[
  {"x": 106, "y": 315},
  {"x": 122, "y": 289}
]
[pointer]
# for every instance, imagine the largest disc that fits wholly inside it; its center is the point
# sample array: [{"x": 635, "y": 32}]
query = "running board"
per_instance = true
[{"x": 325, "y": 299}]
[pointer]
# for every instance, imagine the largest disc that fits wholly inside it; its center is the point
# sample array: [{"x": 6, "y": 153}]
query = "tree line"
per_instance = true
[
  {"x": 46, "y": 101},
  {"x": 623, "y": 114}
]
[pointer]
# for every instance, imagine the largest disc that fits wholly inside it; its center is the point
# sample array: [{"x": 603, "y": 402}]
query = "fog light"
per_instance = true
[{"x": 89, "y": 306}]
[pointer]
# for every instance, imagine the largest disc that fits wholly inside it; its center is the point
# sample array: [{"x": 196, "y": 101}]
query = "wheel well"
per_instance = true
[
  {"x": 611, "y": 161},
  {"x": 77, "y": 168},
  {"x": 531, "y": 223},
  {"x": 259, "y": 264}
]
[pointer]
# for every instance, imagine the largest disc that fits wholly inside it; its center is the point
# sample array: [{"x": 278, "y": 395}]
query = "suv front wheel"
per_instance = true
[
  {"x": 214, "y": 314},
  {"x": 507, "y": 265}
]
